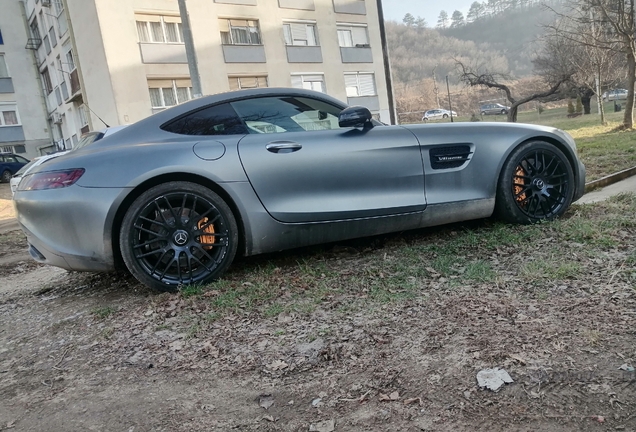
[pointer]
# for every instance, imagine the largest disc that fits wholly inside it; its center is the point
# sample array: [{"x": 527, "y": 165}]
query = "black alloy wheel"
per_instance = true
[
  {"x": 537, "y": 183},
  {"x": 178, "y": 234}
]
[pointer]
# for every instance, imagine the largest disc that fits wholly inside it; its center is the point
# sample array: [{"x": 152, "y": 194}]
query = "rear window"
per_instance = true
[{"x": 88, "y": 139}]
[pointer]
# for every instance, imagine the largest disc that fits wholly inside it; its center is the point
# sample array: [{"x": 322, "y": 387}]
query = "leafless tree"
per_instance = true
[
  {"x": 603, "y": 27},
  {"x": 475, "y": 77}
]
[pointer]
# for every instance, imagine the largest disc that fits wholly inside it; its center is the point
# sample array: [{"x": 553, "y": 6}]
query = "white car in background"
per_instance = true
[
  {"x": 438, "y": 114},
  {"x": 87, "y": 139}
]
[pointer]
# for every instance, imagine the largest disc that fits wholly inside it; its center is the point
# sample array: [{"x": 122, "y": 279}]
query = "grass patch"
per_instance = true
[
  {"x": 191, "y": 291},
  {"x": 103, "y": 311},
  {"x": 552, "y": 269}
]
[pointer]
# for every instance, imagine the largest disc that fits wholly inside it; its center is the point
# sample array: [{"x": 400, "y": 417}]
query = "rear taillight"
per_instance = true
[{"x": 51, "y": 179}]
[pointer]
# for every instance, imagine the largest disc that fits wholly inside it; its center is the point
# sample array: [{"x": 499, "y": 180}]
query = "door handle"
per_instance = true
[{"x": 283, "y": 146}]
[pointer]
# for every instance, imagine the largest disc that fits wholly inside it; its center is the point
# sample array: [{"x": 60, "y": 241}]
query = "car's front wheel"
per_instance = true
[
  {"x": 504, "y": 112},
  {"x": 536, "y": 183},
  {"x": 483, "y": 113},
  {"x": 445, "y": 116},
  {"x": 178, "y": 233}
]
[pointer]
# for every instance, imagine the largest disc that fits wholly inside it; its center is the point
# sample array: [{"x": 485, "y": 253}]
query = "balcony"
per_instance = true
[
  {"x": 11, "y": 134},
  {"x": 244, "y": 53},
  {"x": 237, "y": 2},
  {"x": 163, "y": 53},
  {"x": 297, "y": 4},
  {"x": 304, "y": 54},
  {"x": 75, "y": 87},
  {"x": 357, "y": 54},
  {"x": 354, "y": 7},
  {"x": 6, "y": 85}
]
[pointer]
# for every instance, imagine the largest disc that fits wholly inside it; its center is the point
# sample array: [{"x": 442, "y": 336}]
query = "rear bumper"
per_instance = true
[{"x": 69, "y": 227}]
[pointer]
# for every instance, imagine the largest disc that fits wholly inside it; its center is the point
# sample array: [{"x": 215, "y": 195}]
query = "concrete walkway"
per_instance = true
[{"x": 623, "y": 186}]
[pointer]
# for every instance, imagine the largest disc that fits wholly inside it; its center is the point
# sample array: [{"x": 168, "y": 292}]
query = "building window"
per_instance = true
[
  {"x": 239, "y": 32},
  {"x": 247, "y": 82},
  {"x": 360, "y": 84},
  {"x": 4, "y": 71},
  {"x": 159, "y": 29},
  {"x": 9, "y": 115},
  {"x": 46, "y": 80},
  {"x": 35, "y": 29},
  {"x": 167, "y": 93},
  {"x": 352, "y": 36},
  {"x": 314, "y": 82},
  {"x": 302, "y": 34},
  {"x": 70, "y": 61}
]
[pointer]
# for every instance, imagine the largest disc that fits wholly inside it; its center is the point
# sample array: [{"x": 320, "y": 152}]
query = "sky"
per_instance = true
[{"x": 427, "y": 9}]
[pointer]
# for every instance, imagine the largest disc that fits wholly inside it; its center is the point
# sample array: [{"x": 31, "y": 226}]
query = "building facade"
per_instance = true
[
  {"x": 23, "y": 125},
  {"x": 112, "y": 62}
]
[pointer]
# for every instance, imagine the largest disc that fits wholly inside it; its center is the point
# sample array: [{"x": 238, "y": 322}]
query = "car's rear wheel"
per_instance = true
[
  {"x": 445, "y": 116},
  {"x": 6, "y": 176},
  {"x": 178, "y": 233},
  {"x": 536, "y": 183},
  {"x": 483, "y": 113}
]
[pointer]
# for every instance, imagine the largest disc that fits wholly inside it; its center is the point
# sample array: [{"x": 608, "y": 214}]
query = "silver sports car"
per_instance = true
[{"x": 176, "y": 196}]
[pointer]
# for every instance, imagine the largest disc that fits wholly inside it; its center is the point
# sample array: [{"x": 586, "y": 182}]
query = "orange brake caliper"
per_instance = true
[
  {"x": 519, "y": 181},
  {"x": 207, "y": 239}
]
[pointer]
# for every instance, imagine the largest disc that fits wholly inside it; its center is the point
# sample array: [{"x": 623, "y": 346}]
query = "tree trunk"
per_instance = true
[
  {"x": 585, "y": 100},
  {"x": 628, "y": 119},
  {"x": 512, "y": 113}
]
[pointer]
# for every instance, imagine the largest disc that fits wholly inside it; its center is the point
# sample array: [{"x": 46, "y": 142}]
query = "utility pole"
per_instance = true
[
  {"x": 450, "y": 105},
  {"x": 190, "y": 52},
  {"x": 435, "y": 89}
]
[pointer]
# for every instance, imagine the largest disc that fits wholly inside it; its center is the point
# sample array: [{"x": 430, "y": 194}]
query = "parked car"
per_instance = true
[
  {"x": 616, "y": 94},
  {"x": 437, "y": 114},
  {"x": 10, "y": 164},
  {"x": 86, "y": 139},
  {"x": 177, "y": 195},
  {"x": 493, "y": 109}
]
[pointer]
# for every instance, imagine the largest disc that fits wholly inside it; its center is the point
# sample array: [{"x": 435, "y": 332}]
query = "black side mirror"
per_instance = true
[{"x": 357, "y": 116}]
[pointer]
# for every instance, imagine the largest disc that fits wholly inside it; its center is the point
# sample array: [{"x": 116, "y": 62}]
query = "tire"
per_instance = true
[
  {"x": 483, "y": 113},
  {"x": 536, "y": 183},
  {"x": 504, "y": 112},
  {"x": 6, "y": 176},
  {"x": 424, "y": 119},
  {"x": 178, "y": 233},
  {"x": 445, "y": 116}
]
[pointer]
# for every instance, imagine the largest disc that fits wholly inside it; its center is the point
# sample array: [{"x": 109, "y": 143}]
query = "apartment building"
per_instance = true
[
  {"x": 23, "y": 126},
  {"x": 112, "y": 62}
]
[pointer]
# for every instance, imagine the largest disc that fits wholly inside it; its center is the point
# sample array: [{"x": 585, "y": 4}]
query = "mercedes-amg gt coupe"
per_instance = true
[{"x": 174, "y": 197}]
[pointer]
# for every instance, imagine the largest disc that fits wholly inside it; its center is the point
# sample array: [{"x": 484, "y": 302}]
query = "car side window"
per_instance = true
[
  {"x": 21, "y": 159},
  {"x": 287, "y": 114},
  {"x": 213, "y": 120},
  {"x": 10, "y": 159}
]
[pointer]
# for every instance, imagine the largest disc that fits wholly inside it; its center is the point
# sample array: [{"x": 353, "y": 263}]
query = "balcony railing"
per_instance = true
[{"x": 75, "y": 85}]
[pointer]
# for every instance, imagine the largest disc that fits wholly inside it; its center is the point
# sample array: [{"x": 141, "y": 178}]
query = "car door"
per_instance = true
[{"x": 305, "y": 168}]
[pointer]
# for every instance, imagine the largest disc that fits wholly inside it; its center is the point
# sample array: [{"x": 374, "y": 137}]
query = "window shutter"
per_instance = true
[
  {"x": 351, "y": 80},
  {"x": 297, "y": 81},
  {"x": 159, "y": 83},
  {"x": 367, "y": 85},
  {"x": 234, "y": 83},
  {"x": 359, "y": 35},
  {"x": 299, "y": 32}
]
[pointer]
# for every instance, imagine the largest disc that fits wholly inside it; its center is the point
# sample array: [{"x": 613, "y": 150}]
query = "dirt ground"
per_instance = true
[{"x": 100, "y": 352}]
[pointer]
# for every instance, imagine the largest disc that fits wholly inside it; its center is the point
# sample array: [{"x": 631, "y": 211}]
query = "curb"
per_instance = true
[{"x": 610, "y": 179}]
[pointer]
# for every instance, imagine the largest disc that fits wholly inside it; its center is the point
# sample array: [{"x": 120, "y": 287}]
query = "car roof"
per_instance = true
[{"x": 149, "y": 128}]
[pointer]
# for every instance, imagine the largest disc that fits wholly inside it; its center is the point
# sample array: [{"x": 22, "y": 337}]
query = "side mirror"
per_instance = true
[{"x": 357, "y": 116}]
